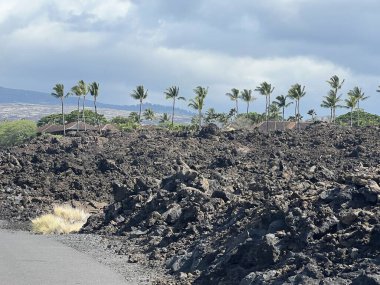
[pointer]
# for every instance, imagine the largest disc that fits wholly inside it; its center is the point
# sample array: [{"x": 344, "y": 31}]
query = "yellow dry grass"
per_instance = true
[
  {"x": 63, "y": 220},
  {"x": 70, "y": 214}
]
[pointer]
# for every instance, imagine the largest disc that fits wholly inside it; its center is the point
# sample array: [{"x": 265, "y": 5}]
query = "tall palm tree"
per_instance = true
[
  {"x": 351, "y": 103},
  {"x": 59, "y": 92},
  {"x": 333, "y": 98},
  {"x": 140, "y": 94},
  {"x": 281, "y": 103},
  {"x": 266, "y": 89},
  {"x": 312, "y": 113},
  {"x": 234, "y": 96},
  {"x": 330, "y": 102},
  {"x": 173, "y": 93},
  {"x": 198, "y": 102},
  {"x": 93, "y": 88},
  {"x": 296, "y": 92},
  {"x": 360, "y": 96},
  {"x": 84, "y": 91},
  {"x": 246, "y": 96},
  {"x": 78, "y": 92},
  {"x": 149, "y": 114}
]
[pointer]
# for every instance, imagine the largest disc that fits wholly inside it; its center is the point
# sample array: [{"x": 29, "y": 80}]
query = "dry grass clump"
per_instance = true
[{"x": 63, "y": 220}]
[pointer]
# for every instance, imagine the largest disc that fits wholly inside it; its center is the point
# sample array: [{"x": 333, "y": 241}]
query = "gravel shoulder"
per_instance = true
[
  {"x": 102, "y": 249},
  {"x": 34, "y": 260},
  {"x": 94, "y": 248}
]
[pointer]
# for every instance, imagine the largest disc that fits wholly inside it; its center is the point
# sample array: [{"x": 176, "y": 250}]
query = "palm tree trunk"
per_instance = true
[
  {"x": 78, "y": 115},
  {"x": 200, "y": 118},
  {"x": 83, "y": 115},
  {"x": 351, "y": 117},
  {"x": 140, "y": 112},
  {"x": 173, "y": 112},
  {"x": 298, "y": 114},
  {"x": 237, "y": 107},
  {"x": 358, "y": 113},
  {"x": 283, "y": 118},
  {"x": 267, "y": 112},
  {"x": 63, "y": 119},
  {"x": 96, "y": 114},
  {"x": 247, "y": 107},
  {"x": 334, "y": 114}
]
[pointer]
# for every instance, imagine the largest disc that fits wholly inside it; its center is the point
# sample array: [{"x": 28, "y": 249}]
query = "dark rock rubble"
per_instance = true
[{"x": 236, "y": 207}]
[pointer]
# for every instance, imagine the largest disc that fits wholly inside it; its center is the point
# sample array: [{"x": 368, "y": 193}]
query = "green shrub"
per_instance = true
[
  {"x": 56, "y": 119},
  {"x": 128, "y": 127},
  {"x": 365, "y": 119},
  {"x": 120, "y": 120},
  {"x": 178, "y": 127},
  {"x": 16, "y": 132}
]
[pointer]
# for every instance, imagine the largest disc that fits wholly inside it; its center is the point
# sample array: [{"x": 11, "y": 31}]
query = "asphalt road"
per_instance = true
[{"x": 36, "y": 260}]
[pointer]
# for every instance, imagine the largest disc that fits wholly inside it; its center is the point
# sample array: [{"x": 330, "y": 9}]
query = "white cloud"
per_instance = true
[
  {"x": 189, "y": 68},
  {"x": 93, "y": 10},
  {"x": 100, "y": 10},
  {"x": 52, "y": 37},
  {"x": 125, "y": 43}
]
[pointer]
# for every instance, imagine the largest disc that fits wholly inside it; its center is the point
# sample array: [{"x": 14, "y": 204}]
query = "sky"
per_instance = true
[{"x": 218, "y": 44}]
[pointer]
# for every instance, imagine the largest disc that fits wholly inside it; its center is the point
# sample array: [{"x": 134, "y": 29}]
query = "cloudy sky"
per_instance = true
[{"x": 217, "y": 43}]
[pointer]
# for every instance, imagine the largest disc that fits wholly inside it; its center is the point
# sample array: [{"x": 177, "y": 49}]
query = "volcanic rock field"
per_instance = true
[{"x": 218, "y": 207}]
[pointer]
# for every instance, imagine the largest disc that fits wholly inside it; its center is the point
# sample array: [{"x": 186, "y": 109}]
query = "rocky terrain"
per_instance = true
[{"x": 236, "y": 207}]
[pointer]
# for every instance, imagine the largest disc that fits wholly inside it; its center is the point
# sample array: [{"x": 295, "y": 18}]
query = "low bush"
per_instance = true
[
  {"x": 63, "y": 220},
  {"x": 16, "y": 132}
]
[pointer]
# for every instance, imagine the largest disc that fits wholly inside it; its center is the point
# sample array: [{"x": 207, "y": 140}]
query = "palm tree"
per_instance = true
[
  {"x": 274, "y": 113},
  {"x": 78, "y": 92},
  {"x": 329, "y": 102},
  {"x": 134, "y": 117},
  {"x": 198, "y": 102},
  {"x": 351, "y": 103},
  {"x": 312, "y": 113},
  {"x": 149, "y": 114},
  {"x": 211, "y": 115},
  {"x": 59, "y": 92},
  {"x": 332, "y": 98},
  {"x": 164, "y": 118},
  {"x": 281, "y": 103},
  {"x": 139, "y": 94},
  {"x": 296, "y": 92},
  {"x": 266, "y": 89},
  {"x": 247, "y": 97},
  {"x": 173, "y": 93},
  {"x": 234, "y": 96},
  {"x": 360, "y": 96},
  {"x": 93, "y": 88},
  {"x": 83, "y": 89}
]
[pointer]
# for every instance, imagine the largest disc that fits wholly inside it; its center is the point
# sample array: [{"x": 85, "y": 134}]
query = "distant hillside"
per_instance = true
[
  {"x": 8, "y": 95},
  {"x": 12, "y": 96}
]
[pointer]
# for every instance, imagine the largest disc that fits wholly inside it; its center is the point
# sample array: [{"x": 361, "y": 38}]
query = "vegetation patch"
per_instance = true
[
  {"x": 63, "y": 220},
  {"x": 359, "y": 118},
  {"x": 16, "y": 132}
]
